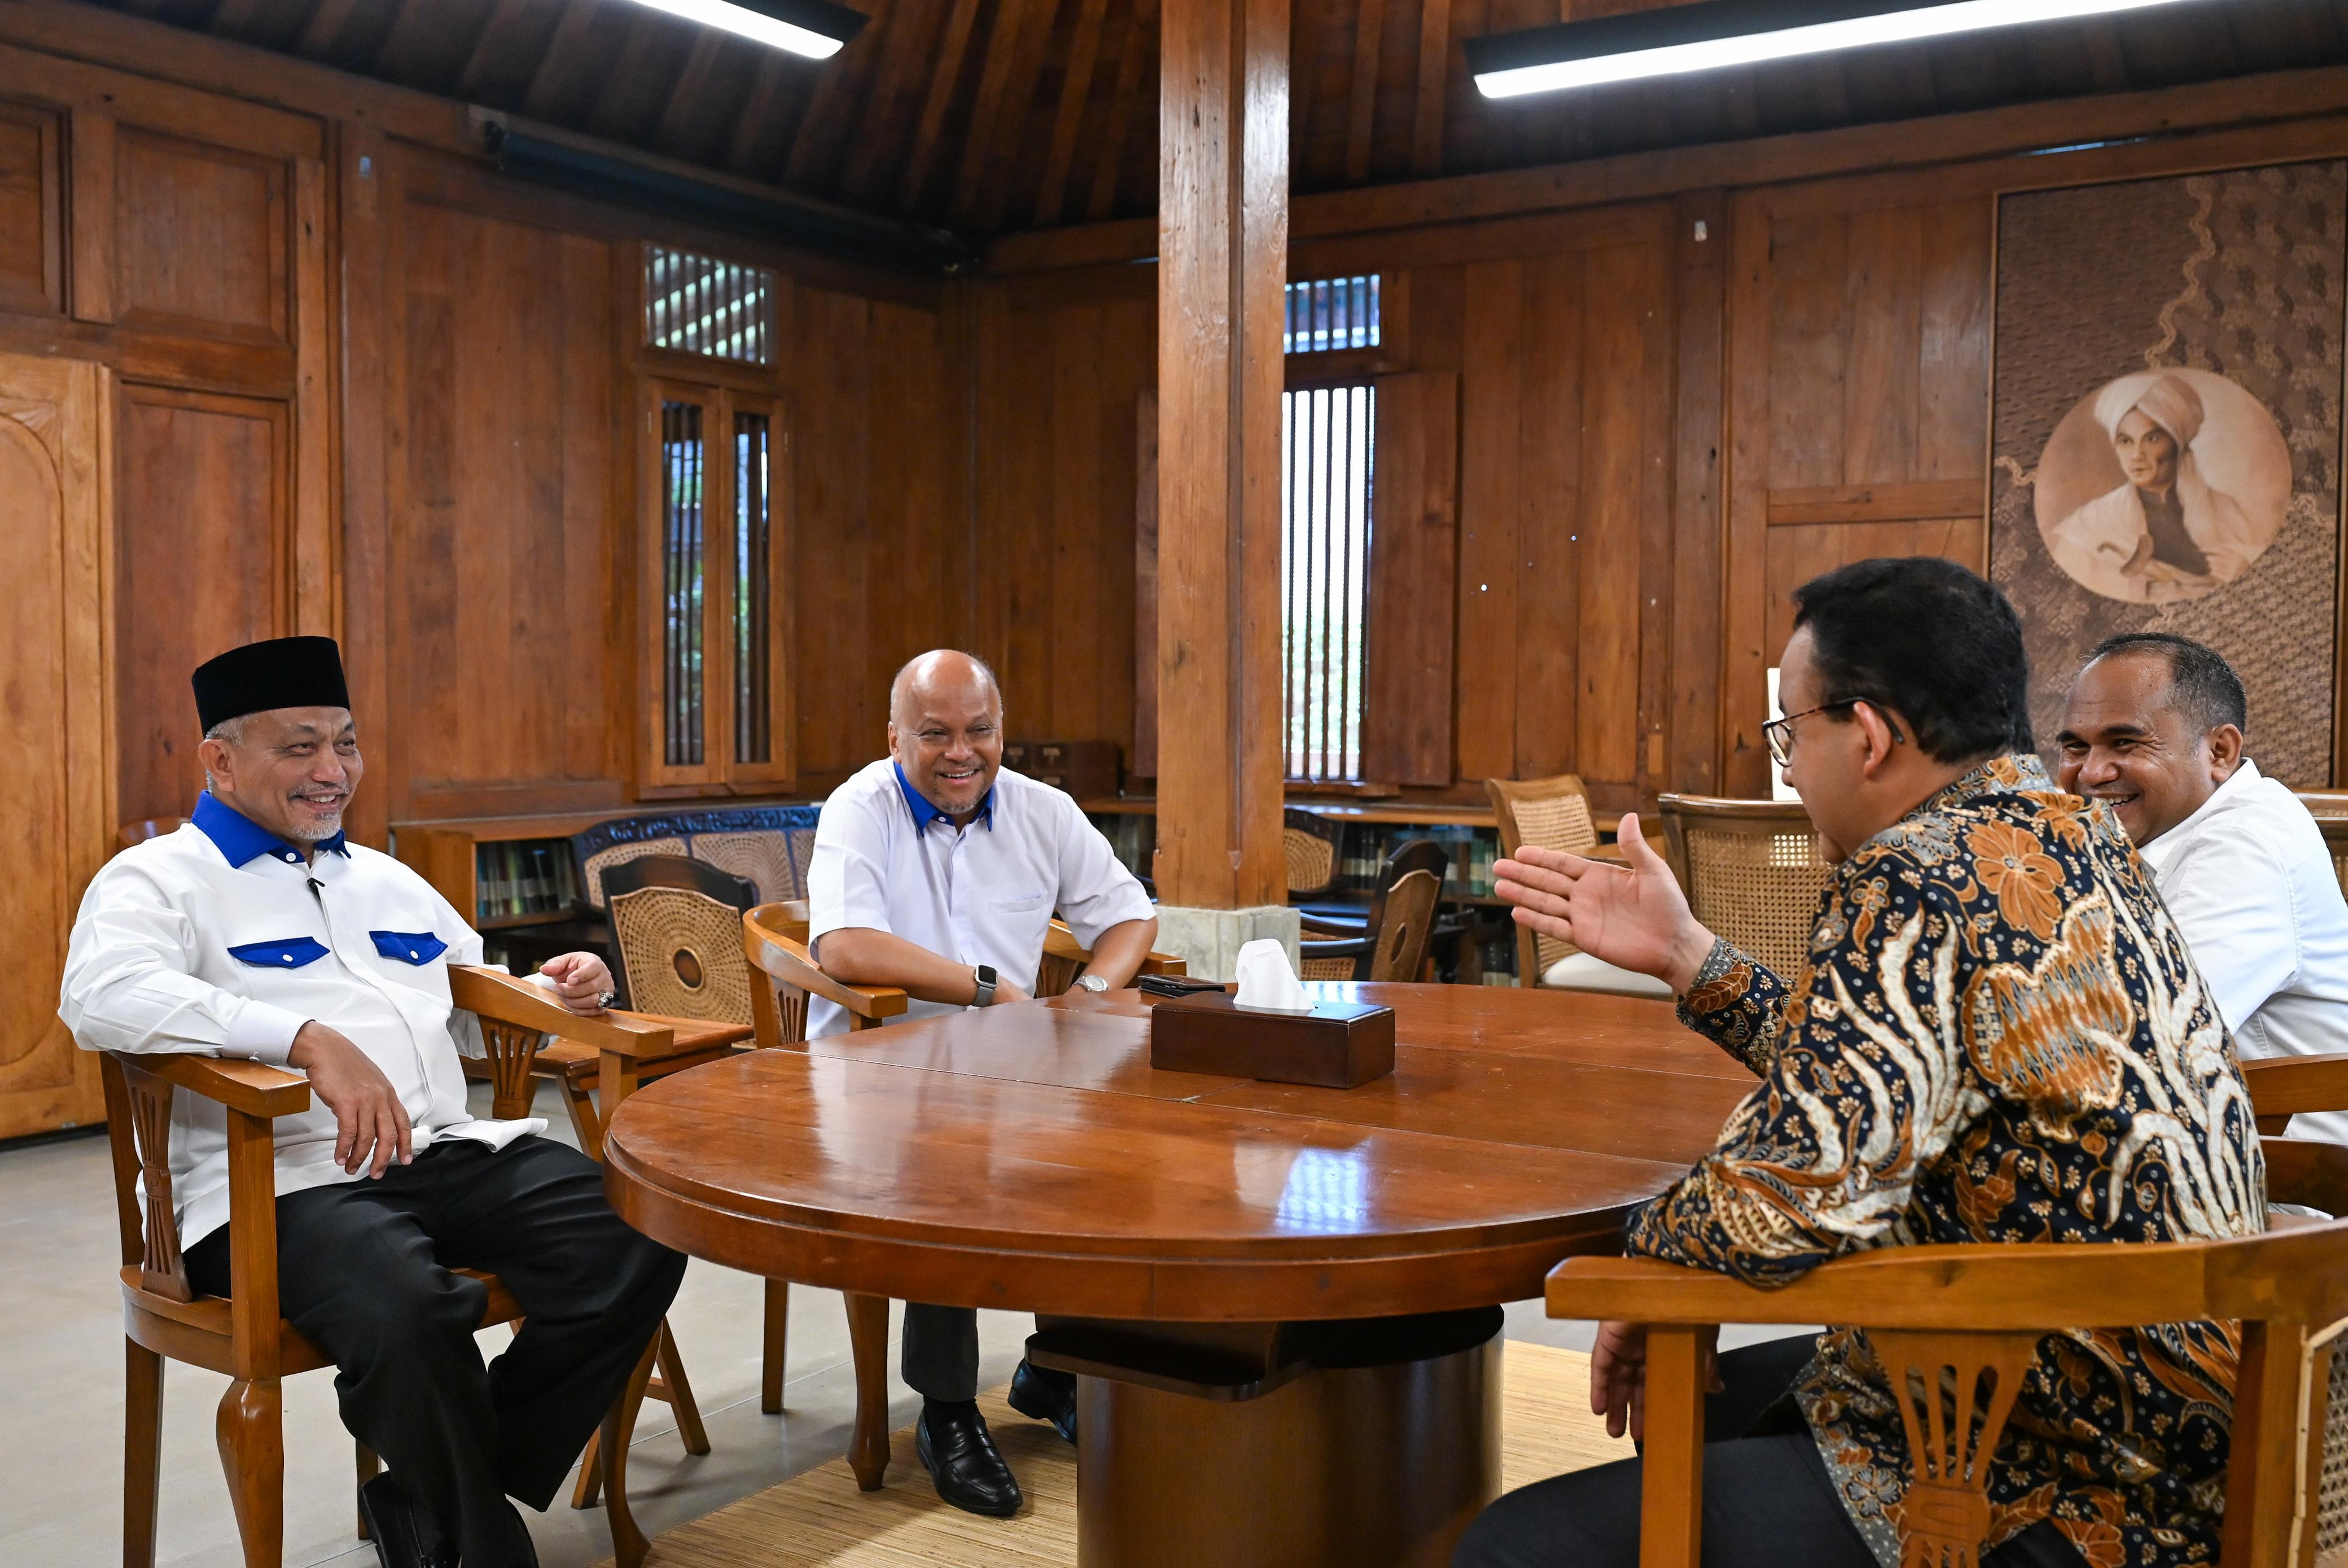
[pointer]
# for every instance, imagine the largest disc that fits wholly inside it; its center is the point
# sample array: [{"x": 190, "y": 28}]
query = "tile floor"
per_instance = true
[{"x": 61, "y": 1362}]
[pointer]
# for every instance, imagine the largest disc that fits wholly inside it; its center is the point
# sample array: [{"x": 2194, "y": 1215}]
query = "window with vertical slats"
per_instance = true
[
  {"x": 1333, "y": 312},
  {"x": 1324, "y": 576},
  {"x": 683, "y": 459},
  {"x": 752, "y": 629},
  {"x": 699, "y": 304}
]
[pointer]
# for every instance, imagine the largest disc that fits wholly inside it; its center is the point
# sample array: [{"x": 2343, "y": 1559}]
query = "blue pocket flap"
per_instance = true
[
  {"x": 287, "y": 952},
  {"x": 408, "y": 946}
]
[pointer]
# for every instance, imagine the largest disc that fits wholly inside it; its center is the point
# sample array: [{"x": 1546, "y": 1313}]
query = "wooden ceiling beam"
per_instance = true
[
  {"x": 876, "y": 142},
  {"x": 1361, "y": 111},
  {"x": 1433, "y": 77},
  {"x": 1076, "y": 93},
  {"x": 1011, "y": 18},
  {"x": 497, "y": 36},
  {"x": 952, "y": 50},
  {"x": 230, "y": 19},
  {"x": 676, "y": 115},
  {"x": 1027, "y": 73},
  {"x": 1141, "y": 46},
  {"x": 766, "y": 97},
  {"x": 814, "y": 149},
  {"x": 324, "y": 28},
  {"x": 565, "y": 58}
]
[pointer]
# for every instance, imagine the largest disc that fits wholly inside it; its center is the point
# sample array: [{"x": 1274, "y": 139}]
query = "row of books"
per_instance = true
[
  {"x": 1474, "y": 851},
  {"x": 523, "y": 876}
]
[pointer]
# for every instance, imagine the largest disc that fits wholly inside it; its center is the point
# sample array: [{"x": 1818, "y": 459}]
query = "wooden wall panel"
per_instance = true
[
  {"x": 32, "y": 218},
  {"x": 1406, "y": 720},
  {"x": 200, "y": 234},
  {"x": 503, "y": 606},
  {"x": 1804, "y": 551},
  {"x": 202, "y": 564}
]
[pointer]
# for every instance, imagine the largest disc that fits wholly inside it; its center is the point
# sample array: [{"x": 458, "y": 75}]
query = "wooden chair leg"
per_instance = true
[
  {"x": 588, "y": 1490},
  {"x": 778, "y": 1338},
  {"x": 628, "y": 1543},
  {"x": 367, "y": 1466},
  {"x": 868, "y": 1341},
  {"x": 251, "y": 1428},
  {"x": 142, "y": 1453},
  {"x": 679, "y": 1393}
]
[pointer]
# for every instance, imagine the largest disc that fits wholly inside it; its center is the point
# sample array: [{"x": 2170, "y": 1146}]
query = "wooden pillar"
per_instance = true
[{"x": 1222, "y": 268}]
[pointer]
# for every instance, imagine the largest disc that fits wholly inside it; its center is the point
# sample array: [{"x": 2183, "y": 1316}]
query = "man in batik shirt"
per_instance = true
[{"x": 2000, "y": 1037}]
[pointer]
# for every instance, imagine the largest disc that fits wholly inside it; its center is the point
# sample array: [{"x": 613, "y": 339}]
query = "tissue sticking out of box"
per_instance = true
[{"x": 1267, "y": 984}]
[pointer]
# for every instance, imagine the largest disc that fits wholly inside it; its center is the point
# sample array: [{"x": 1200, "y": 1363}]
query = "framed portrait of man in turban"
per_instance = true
[{"x": 2165, "y": 433}]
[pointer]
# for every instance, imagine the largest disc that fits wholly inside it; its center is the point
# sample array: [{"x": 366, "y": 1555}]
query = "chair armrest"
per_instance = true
[
  {"x": 1351, "y": 947},
  {"x": 789, "y": 962},
  {"x": 255, "y": 1088},
  {"x": 1328, "y": 925},
  {"x": 506, "y": 1000},
  {"x": 1059, "y": 942},
  {"x": 2285, "y": 1085},
  {"x": 1981, "y": 1287}
]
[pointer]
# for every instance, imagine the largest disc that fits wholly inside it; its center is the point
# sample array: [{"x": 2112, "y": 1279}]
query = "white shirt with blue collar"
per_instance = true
[
  {"x": 887, "y": 860},
  {"x": 220, "y": 939}
]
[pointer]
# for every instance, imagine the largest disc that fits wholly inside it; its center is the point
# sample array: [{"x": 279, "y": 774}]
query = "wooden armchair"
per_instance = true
[
  {"x": 1065, "y": 958},
  {"x": 1392, "y": 945},
  {"x": 242, "y": 1335},
  {"x": 1311, "y": 847},
  {"x": 784, "y": 975},
  {"x": 1943, "y": 1317},
  {"x": 2284, "y": 1086},
  {"x": 1751, "y": 873}
]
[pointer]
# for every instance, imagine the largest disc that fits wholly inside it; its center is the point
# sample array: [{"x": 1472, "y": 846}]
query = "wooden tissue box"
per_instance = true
[{"x": 1338, "y": 1045}]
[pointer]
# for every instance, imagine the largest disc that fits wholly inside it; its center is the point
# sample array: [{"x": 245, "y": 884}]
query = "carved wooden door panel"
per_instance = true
[{"x": 56, "y": 781}]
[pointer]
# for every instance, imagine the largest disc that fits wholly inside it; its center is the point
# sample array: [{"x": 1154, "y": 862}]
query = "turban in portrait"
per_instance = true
[
  {"x": 2169, "y": 401},
  {"x": 283, "y": 672}
]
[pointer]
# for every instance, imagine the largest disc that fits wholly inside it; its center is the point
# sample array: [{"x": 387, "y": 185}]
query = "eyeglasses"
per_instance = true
[{"x": 1779, "y": 732}]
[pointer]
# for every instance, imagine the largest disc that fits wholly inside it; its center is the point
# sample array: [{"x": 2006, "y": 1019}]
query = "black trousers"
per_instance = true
[
  {"x": 938, "y": 1351},
  {"x": 1767, "y": 1499},
  {"x": 363, "y": 1270}
]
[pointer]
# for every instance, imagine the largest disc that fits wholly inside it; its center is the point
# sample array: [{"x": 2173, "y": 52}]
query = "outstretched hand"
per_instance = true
[{"x": 1632, "y": 917}]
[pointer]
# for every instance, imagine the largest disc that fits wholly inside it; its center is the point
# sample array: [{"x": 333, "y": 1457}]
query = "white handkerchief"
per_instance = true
[{"x": 1267, "y": 984}]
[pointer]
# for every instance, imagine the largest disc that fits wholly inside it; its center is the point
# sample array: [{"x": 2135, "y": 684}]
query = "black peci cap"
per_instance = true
[{"x": 283, "y": 672}]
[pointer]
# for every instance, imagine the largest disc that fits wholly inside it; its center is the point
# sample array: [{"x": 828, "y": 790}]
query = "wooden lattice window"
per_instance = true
[
  {"x": 700, "y": 304},
  {"x": 717, "y": 617},
  {"x": 1325, "y": 500},
  {"x": 1329, "y": 313}
]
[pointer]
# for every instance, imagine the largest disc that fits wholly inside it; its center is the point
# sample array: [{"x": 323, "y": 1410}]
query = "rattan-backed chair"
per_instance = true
[
  {"x": 676, "y": 938},
  {"x": 761, "y": 857},
  {"x": 784, "y": 974},
  {"x": 2330, "y": 810},
  {"x": 1065, "y": 958},
  {"x": 242, "y": 1335},
  {"x": 1311, "y": 846},
  {"x": 1550, "y": 814},
  {"x": 1943, "y": 1317},
  {"x": 591, "y": 869},
  {"x": 1401, "y": 923},
  {"x": 1751, "y": 873}
]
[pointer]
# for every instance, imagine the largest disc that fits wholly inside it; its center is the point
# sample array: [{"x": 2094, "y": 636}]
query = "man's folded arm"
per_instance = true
[
  {"x": 1821, "y": 1157},
  {"x": 129, "y": 986}
]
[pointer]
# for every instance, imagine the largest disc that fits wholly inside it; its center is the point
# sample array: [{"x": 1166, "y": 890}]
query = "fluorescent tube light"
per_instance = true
[
  {"x": 1715, "y": 32},
  {"x": 816, "y": 28}
]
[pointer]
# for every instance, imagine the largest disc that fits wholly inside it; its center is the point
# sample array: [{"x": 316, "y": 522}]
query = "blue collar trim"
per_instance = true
[
  {"x": 240, "y": 838},
  {"x": 924, "y": 813}
]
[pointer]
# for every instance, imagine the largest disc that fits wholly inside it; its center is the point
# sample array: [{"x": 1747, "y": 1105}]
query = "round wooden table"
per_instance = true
[{"x": 1280, "y": 1300}]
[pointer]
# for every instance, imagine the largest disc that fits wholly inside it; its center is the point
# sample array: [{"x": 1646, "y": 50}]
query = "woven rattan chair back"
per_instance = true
[
  {"x": 1751, "y": 873},
  {"x": 1551, "y": 814},
  {"x": 2330, "y": 809},
  {"x": 761, "y": 858},
  {"x": 1310, "y": 846},
  {"x": 591, "y": 869},
  {"x": 676, "y": 934}
]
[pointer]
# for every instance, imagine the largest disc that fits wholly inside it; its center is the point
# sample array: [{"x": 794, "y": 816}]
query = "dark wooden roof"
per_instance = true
[{"x": 990, "y": 116}]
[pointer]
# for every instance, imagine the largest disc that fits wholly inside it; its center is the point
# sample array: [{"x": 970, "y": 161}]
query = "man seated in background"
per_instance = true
[
  {"x": 258, "y": 931},
  {"x": 2155, "y": 729},
  {"x": 1998, "y": 1038},
  {"x": 937, "y": 871}
]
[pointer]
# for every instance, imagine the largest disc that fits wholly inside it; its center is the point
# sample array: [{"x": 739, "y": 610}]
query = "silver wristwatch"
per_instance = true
[
  {"x": 1092, "y": 983},
  {"x": 985, "y": 996}
]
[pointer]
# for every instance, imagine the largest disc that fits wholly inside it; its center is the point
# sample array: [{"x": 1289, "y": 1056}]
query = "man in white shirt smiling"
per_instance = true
[
  {"x": 2155, "y": 726},
  {"x": 937, "y": 871},
  {"x": 257, "y": 930}
]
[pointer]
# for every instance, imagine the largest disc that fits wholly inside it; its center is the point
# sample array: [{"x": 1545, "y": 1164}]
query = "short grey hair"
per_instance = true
[{"x": 228, "y": 732}]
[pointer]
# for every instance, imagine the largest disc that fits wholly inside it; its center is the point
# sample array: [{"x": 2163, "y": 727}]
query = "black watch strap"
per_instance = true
[{"x": 987, "y": 979}]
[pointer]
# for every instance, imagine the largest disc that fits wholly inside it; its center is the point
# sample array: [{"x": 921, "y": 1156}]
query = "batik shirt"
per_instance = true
[{"x": 2000, "y": 1039}]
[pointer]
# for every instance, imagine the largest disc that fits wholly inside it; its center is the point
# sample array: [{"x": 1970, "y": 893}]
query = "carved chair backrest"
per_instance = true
[{"x": 139, "y": 1139}]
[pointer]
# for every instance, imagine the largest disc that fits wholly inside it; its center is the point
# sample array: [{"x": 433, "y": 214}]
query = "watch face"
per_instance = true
[
  {"x": 986, "y": 973},
  {"x": 1094, "y": 983}
]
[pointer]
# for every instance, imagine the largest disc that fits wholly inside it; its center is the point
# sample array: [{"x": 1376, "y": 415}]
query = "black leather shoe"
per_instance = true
[
  {"x": 401, "y": 1538},
  {"x": 954, "y": 1447},
  {"x": 1045, "y": 1396}
]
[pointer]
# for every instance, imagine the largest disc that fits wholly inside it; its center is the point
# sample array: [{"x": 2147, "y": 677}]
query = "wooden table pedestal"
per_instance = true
[{"x": 1367, "y": 1444}]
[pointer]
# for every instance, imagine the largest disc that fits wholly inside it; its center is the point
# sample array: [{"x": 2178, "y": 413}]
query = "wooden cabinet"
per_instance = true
[{"x": 55, "y": 800}]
